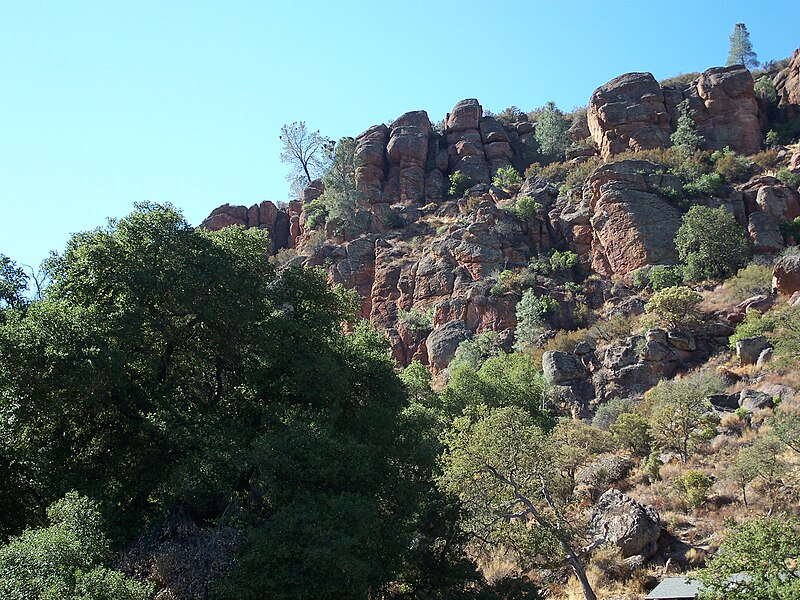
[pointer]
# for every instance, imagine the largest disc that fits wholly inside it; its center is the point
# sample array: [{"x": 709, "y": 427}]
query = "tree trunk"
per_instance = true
[{"x": 580, "y": 573}]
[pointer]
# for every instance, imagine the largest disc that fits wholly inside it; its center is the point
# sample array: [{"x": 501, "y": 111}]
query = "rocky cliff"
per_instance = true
[{"x": 441, "y": 256}]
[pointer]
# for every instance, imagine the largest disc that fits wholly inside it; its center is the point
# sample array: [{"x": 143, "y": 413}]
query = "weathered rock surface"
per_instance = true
[
  {"x": 443, "y": 342},
  {"x": 560, "y": 367},
  {"x": 632, "y": 224},
  {"x": 748, "y": 349},
  {"x": 632, "y": 112},
  {"x": 632, "y": 527},
  {"x": 786, "y": 275},
  {"x": 754, "y": 400}
]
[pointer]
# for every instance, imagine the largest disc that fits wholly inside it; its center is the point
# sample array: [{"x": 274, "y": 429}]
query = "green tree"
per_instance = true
[
  {"x": 502, "y": 467},
  {"x": 171, "y": 367},
  {"x": 341, "y": 197},
  {"x": 757, "y": 560},
  {"x": 741, "y": 50},
  {"x": 680, "y": 415},
  {"x": 693, "y": 486},
  {"x": 685, "y": 139},
  {"x": 507, "y": 178},
  {"x": 13, "y": 283},
  {"x": 65, "y": 559},
  {"x": 308, "y": 154},
  {"x": 674, "y": 307},
  {"x": 761, "y": 460},
  {"x": 711, "y": 244},
  {"x": 531, "y": 311},
  {"x": 632, "y": 431},
  {"x": 551, "y": 133}
]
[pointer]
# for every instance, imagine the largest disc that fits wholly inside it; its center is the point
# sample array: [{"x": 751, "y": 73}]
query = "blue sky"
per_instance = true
[{"x": 105, "y": 103}]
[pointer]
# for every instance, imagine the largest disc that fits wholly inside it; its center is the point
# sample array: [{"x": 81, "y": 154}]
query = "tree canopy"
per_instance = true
[{"x": 741, "y": 50}]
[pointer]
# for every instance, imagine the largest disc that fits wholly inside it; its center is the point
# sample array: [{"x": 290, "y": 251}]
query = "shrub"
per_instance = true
[
  {"x": 632, "y": 431},
  {"x": 706, "y": 184},
  {"x": 661, "y": 277},
  {"x": 651, "y": 467},
  {"x": 766, "y": 159},
  {"x": 787, "y": 178},
  {"x": 475, "y": 351},
  {"x": 316, "y": 213},
  {"x": 675, "y": 307},
  {"x": 711, "y": 244},
  {"x": 693, "y": 486},
  {"x": 507, "y": 178},
  {"x": 563, "y": 261},
  {"x": 680, "y": 81},
  {"x": 415, "y": 320},
  {"x": 551, "y": 132},
  {"x": 754, "y": 279},
  {"x": 608, "y": 413},
  {"x": 686, "y": 139},
  {"x": 459, "y": 183},
  {"x": 525, "y": 207},
  {"x": 731, "y": 166},
  {"x": 765, "y": 90},
  {"x": 394, "y": 220},
  {"x": 790, "y": 230}
]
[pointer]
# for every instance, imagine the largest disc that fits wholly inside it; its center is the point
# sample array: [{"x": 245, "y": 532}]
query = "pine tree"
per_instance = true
[{"x": 741, "y": 50}]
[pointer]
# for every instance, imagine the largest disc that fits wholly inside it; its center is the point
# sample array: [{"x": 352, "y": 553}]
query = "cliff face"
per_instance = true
[{"x": 446, "y": 255}]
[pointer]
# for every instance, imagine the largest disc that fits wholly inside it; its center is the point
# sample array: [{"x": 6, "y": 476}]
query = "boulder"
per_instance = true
[
  {"x": 602, "y": 472},
  {"x": 787, "y": 83},
  {"x": 753, "y": 400},
  {"x": 724, "y": 402},
  {"x": 786, "y": 275},
  {"x": 749, "y": 349},
  {"x": 682, "y": 340},
  {"x": 443, "y": 342},
  {"x": 727, "y": 111},
  {"x": 625, "y": 523},
  {"x": 560, "y": 367},
  {"x": 370, "y": 161},
  {"x": 466, "y": 114},
  {"x": 628, "y": 113}
]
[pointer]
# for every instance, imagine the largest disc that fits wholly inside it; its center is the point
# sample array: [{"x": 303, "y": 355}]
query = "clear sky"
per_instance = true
[{"x": 105, "y": 103}]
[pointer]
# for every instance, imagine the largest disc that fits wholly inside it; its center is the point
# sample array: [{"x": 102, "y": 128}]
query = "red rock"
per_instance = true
[{"x": 786, "y": 275}]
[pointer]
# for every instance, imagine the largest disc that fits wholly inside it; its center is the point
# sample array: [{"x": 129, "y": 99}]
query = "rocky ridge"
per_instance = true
[{"x": 445, "y": 256}]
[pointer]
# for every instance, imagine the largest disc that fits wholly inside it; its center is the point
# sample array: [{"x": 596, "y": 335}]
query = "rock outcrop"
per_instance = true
[
  {"x": 633, "y": 527},
  {"x": 632, "y": 224},
  {"x": 283, "y": 224},
  {"x": 786, "y": 275},
  {"x": 633, "y": 112}
]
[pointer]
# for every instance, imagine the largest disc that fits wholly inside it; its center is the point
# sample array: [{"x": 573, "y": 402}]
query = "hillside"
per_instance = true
[{"x": 500, "y": 357}]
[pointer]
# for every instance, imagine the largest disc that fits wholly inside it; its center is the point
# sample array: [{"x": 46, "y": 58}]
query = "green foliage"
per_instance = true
[
  {"x": 781, "y": 325},
  {"x": 651, "y": 467},
  {"x": 501, "y": 467},
  {"x": 525, "y": 207},
  {"x": 693, "y": 485},
  {"x": 474, "y": 351},
  {"x": 13, "y": 283},
  {"x": 711, "y": 244},
  {"x": 790, "y": 230},
  {"x": 555, "y": 262},
  {"x": 754, "y": 323},
  {"x": 65, "y": 559},
  {"x": 507, "y": 178},
  {"x": 531, "y": 312},
  {"x": 502, "y": 380},
  {"x": 551, "y": 133},
  {"x": 765, "y": 90},
  {"x": 757, "y": 560},
  {"x": 680, "y": 81},
  {"x": 632, "y": 431},
  {"x": 787, "y": 178},
  {"x": 706, "y": 184},
  {"x": 417, "y": 381},
  {"x": 741, "y": 50},
  {"x": 459, "y": 184},
  {"x": 415, "y": 320},
  {"x": 680, "y": 414},
  {"x": 675, "y": 307},
  {"x": 608, "y": 412},
  {"x": 316, "y": 213},
  {"x": 750, "y": 281},
  {"x": 732, "y": 167},
  {"x": 772, "y": 139},
  {"x": 340, "y": 198},
  {"x": 169, "y": 367},
  {"x": 685, "y": 139},
  {"x": 657, "y": 277}
]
